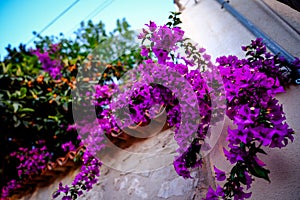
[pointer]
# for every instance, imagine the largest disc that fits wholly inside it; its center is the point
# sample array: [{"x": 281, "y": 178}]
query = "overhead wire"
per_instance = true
[
  {"x": 94, "y": 13},
  {"x": 49, "y": 24},
  {"x": 91, "y": 15},
  {"x": 54, "y": 20}
]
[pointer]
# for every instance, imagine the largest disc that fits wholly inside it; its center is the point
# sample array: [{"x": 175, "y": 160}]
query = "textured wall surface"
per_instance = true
[{"x": 152, "y": 176}]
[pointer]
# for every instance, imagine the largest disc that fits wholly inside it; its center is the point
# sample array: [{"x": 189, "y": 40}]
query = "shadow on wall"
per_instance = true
[{"x": 295, "y": 4}]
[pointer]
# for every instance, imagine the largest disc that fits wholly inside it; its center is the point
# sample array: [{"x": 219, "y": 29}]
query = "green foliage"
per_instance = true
[
  {"x": 19, "y": 62},
  {"x": 34, "y": 106},
  {"x": 175, "y": 20}
]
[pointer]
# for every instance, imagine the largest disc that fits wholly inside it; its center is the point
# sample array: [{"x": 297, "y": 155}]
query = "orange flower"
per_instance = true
[
  {"x": 72, "y": 86},
  {"x": 40, "y": 79},
  {"x": 34, "y": 96},
  {"x": 64, "y": 80},
  {"x": 30, "y": 84},
  {"x": 72, "y": 67},
  {"x": 119, "y": 64}
]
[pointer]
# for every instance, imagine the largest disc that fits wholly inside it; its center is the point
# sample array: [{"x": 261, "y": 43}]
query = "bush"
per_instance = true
[{"x": 35, "y": 92}]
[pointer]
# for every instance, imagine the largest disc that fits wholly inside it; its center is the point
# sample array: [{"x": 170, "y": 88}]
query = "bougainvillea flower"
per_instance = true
[
  {"x": 161, "y": 54},
  {"x": 211, "y": 194},
  {"x": 181, "y": 169},
  {"x": 50, "y": 65},
  {"x": 239, "y": 194},
  {"x": 248, "y": 180},
  {"x": 234, "y": 154},
  {"x": 246, "y": 115},
  {"x": 144, "y": 51},
  {"x": 220, "y": 175},
  {"x": 152, "y": 26}
]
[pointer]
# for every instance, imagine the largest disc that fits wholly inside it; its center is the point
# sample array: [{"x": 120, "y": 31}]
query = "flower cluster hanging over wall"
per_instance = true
[{"x": 93, "y": 92}]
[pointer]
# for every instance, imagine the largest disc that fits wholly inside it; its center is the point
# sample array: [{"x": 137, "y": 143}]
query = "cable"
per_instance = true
[
  {"x": 54, "y": 20},
  {"x": 94, "y": 13},
  {"x": 97, "y": 12}
]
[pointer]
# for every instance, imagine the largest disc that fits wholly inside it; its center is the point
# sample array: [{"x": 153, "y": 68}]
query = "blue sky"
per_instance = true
[{"x": 19, "y": 18}]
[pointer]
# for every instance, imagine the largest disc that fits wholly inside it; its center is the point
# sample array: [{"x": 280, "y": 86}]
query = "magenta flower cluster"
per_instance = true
[
  {"x": 154, "y": 86},
  {"x": 49, "y": 61},
  {"x": 30, "y": 163},
  {"x": 159, "y": 82},
  {"x": 8, "y": 188},
  {"x": 251, "y": 85},
  {"x": 84, "y": 181}
]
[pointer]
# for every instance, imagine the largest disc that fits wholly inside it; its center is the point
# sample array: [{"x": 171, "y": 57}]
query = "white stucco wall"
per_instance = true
[{"x": 124, "y": 176}]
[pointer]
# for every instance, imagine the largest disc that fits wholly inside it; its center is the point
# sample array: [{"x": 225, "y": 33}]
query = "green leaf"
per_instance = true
[
  {"x": 23, "y": 115},
  {"x": 26, "y": 124},
  {"x": 53, "y": 117},
  {"x": 16, "y": 107},
  {"x": 259, "y": 150},
  {"x": 26, "y": 110},
  {"x": 65, "y": 106},
  {"x": 260, "y": 172},
  {"x": 241, "y": 175},
  {"x": 17, "y": 123},
  {"x": 233, "y": 172},
  {"x": 169, "y": 24},
  {"x": 5, "y": 69}
]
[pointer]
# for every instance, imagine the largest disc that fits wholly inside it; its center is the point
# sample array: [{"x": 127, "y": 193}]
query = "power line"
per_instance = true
[
  {"x": 98, "y": 10},
  {"x": 94, "y": 13},
  {"x": 54, "y": 20}
]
